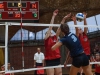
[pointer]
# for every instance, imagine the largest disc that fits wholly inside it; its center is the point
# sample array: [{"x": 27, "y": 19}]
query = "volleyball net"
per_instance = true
[{"x": 20, "y": 46}]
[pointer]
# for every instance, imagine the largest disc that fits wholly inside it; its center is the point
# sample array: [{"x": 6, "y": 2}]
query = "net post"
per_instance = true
[{"x": 6, "y": 46}]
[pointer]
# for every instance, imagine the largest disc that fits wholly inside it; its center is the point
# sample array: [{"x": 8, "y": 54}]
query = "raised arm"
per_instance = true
[
  {"x": 58, "y": 44},
  {"x": 50, "y": 27},
  {"x": 67, "y": 59},
  {"x": 85, "y": 23},
  {"x": 62, "y": 22},
  {"x": 75, "y": 23}
]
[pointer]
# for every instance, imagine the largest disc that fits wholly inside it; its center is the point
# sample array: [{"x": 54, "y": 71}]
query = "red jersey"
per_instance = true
[
  {"x": 49, "y": 54},
  {"x": 7, "y": 74},
  {"x": 97, "y": 68},
  {"x": 85, "y": 43}
]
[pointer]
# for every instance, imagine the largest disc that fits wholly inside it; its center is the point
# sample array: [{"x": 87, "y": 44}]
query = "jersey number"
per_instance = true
[{"x": 74, "y": 38}]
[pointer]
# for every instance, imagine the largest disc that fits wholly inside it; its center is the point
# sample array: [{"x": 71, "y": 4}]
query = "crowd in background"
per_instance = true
[
  {"x": 95, "y": 57},
  {"x": 9, "y": 68}
]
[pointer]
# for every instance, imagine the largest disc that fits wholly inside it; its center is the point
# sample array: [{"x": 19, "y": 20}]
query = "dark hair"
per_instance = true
[{"x": 64, "y": 28}]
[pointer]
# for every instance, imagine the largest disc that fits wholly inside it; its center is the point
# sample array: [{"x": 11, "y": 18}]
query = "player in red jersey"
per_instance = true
[
  {"x": 53, "y": 57},
  {"x": 82, "y": 35}
]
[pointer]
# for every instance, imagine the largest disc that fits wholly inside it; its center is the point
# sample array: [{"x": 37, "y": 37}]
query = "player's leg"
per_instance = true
[
  {"x": 87, "y": 70},
  {"x": 50, "y": 71},
  {"x": 86, "y": 66},
  {"x": 80, "y": 72},
  {"x": 58, "y": 71},
  {"x": 76, "y": 64},
  {"x": 73, "y": 70}
]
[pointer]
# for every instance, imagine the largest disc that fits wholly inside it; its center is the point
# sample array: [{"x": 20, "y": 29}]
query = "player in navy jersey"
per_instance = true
[{"x": 79, "y": 58}]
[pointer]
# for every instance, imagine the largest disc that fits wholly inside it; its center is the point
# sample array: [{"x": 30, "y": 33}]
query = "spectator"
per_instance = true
[
  {"x": 2, "y": 69},
  {"x": 97, "y": 66},
  {"x": 10, "y": 68}
]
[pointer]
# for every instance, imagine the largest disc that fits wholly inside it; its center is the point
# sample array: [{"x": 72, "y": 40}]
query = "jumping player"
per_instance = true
[
  {"x": 79, "y": 58},
  {"x": 53, "y": 57},
  {"x": 82, "y": 35}
]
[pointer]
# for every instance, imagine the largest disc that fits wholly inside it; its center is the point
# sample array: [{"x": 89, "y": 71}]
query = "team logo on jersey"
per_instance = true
[{"x": 85, "y": 39}]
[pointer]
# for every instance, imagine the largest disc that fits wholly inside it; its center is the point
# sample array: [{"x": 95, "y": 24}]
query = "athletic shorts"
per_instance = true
[
  {"x": 88, "y": 57},
  {"x": 97, "y": 73},
  {"x": 53, "y": 62},
  {"x": 80, "y": 60}
]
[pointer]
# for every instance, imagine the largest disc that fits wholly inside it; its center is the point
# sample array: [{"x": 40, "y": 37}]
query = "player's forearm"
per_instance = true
[
  {"x": 50, "y": 28},
  {"x": 75, "y": 23},
  {"x": 85, "y": 28},
  {"x": 51, "y": 22},
  {"x": 52, "y": 19},
  {"x": 59, "y": 30},
  {"x": 68, "y": 57},
  {"x": 85, "y": 22},
  {"x": 63, "y": 21}
]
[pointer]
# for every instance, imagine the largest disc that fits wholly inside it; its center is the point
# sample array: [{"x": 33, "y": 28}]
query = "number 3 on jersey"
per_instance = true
[{"x": 74, "y": 38}]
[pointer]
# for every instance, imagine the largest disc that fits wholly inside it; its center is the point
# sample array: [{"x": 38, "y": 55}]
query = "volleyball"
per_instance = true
[{"x": 80, "y": 17}]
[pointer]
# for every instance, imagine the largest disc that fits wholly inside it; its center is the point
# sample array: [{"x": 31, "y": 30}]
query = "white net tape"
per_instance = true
[
  {"x": 32, "y": 69},
  {"x": 54, "y": 25}
]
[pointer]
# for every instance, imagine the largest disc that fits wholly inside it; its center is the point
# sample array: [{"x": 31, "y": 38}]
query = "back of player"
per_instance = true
[{"x": 73, "y": 44}]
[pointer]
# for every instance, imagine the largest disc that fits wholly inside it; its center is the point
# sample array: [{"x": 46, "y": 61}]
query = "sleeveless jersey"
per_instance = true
[
  {"x": 72, "y": 42},
  {"x": 85, "y": 43},
  {"x": 49, "y": 54}
]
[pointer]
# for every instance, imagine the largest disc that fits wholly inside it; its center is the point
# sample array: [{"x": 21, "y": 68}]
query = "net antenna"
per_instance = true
[{"x": 21, "y": 25}]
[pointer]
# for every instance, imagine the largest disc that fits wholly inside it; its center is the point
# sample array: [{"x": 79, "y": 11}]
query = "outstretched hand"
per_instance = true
[
  {"x": 55, "y": 12},
  {"x": 67, "y": 16},
  {"x": 85, "y": 14},
  {"x": 73, "y": 18}
]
